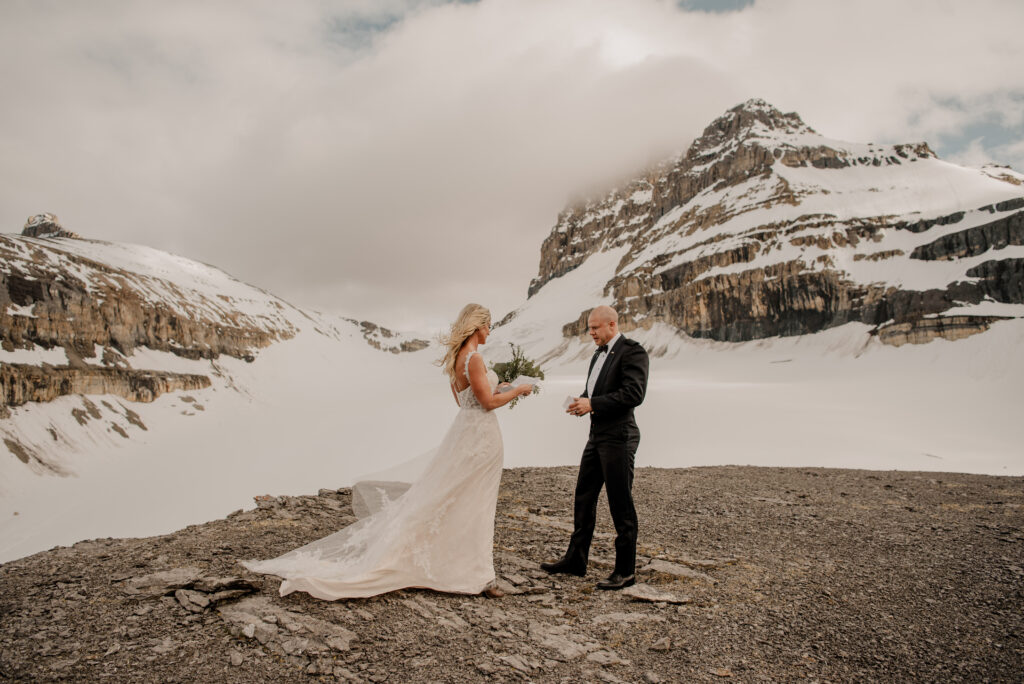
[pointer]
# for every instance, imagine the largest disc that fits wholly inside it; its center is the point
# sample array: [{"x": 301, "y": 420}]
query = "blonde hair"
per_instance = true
[{"x": 471, "y": 318}]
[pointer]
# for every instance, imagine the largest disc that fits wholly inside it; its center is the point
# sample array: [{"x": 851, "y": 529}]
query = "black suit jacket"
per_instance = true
[{"x": 620, "y": 388}]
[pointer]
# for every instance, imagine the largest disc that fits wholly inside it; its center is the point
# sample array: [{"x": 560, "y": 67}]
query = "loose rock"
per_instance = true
[{"x": 645, "y": 592}]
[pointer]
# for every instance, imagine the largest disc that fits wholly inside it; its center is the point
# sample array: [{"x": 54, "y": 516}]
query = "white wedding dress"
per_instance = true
[{"x": 436, "y": 533}]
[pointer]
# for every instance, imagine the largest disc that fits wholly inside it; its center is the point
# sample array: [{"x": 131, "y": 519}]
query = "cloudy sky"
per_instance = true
[{"x": 393, "y": 159}]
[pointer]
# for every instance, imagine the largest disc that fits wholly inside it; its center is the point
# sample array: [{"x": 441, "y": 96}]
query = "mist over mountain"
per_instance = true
[{"x": 766, "y": 228}]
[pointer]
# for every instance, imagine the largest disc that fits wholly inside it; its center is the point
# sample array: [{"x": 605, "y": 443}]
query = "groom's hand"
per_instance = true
[{"x": 580, "y": 407}]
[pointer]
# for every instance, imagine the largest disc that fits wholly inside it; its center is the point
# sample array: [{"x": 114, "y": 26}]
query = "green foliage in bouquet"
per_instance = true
[{"x": 519, "y": 365}]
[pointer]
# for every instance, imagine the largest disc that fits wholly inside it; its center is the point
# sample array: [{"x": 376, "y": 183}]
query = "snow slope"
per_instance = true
[
  {"x": 310, "y": 412},
  {"x": 186, "y": 287}
]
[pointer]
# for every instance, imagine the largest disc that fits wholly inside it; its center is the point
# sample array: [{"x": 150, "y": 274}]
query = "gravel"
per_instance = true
[{"x": 767, "y": 574}]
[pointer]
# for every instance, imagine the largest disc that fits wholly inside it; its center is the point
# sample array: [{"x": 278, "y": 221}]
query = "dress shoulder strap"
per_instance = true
[{"x": 468, "y": 357}]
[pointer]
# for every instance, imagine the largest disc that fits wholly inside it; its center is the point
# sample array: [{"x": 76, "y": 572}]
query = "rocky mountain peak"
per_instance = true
[
  {"x": 766, "y": 227},
  {"x": 45, "y": 225},
  {"x": 741, "y": 144},
  {"x": 753, "y": 118}
]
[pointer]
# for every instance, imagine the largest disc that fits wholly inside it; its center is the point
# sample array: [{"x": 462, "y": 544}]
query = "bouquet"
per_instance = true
[{"x": 519, "y": 371}]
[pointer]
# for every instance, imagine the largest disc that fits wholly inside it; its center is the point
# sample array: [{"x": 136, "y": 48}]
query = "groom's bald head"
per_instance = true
[
  {"x": 604, "y": 313},
  {"x": 603, "y": 324}
]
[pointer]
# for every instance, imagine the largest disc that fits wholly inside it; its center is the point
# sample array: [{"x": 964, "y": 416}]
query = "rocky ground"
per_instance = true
[{"x": 751, "y": 574}]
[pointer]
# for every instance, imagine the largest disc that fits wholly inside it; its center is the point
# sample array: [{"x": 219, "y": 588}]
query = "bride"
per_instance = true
[{"x": 438, "y": 532}]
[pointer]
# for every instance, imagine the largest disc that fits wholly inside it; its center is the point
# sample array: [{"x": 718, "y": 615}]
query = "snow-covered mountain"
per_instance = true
[
  {"x": 140, "y": 391},
  {"x": 74, "y": 313},
  {"x": 766, "y": 228}
]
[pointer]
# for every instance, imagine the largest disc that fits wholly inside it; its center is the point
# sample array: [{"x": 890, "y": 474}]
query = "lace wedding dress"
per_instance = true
[{"x": 436, "y": 533}]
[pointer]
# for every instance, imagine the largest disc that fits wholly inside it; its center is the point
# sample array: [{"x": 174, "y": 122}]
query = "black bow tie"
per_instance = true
[{"x": 602, "y": 349}]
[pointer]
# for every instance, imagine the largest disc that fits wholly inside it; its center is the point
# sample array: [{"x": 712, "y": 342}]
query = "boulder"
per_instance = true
[{"x": 46, "y": 225}]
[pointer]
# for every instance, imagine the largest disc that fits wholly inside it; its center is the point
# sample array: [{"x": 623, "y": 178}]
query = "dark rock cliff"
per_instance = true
[{"x": 21, "y": 383}]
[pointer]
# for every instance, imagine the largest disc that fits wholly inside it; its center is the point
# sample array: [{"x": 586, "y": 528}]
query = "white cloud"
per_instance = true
[
  {"x": 974, "y": 154},
  {"x": 393, "y": 160},
  {"x": 1011, "y": 154}
]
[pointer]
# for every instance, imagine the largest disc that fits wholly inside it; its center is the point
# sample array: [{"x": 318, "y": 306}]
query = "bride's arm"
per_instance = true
[{"x": 482, "y": 388}]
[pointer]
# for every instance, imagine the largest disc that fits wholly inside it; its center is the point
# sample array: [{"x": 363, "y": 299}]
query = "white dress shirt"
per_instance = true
[{"x": 596, "y": 370}]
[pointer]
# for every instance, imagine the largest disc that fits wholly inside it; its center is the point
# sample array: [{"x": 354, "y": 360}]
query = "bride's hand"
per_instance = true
[{"x": 524, "y": 389}]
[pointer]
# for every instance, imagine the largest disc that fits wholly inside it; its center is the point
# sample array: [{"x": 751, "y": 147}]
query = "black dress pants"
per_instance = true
[{"x": 607, "y": 461}]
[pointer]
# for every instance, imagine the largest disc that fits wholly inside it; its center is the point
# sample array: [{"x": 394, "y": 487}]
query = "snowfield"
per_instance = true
[{"x": 318, "y": 411}]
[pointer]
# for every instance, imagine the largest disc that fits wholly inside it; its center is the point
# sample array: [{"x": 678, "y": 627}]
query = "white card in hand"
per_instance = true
[
  {"x": 568, "y": 402},
  {"x": 526, "y": 380},
  {"x": 521, "y": 380}
]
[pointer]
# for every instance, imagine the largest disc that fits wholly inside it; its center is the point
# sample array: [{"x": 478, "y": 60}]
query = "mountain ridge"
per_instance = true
[
  {"x": 96, "y": 302},
  {"x": 764, "y": 227}
]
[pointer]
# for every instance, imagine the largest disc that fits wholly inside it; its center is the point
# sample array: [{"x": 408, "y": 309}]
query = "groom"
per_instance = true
[{"x": 616, "y": 384}]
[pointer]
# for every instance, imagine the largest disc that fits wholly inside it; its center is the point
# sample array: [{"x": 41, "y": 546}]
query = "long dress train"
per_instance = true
[{"x": 438, "y": 534}]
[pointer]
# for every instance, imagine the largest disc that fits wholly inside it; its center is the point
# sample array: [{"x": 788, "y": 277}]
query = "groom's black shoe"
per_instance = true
[
  {"x": 563, "y": 567},
  {"x": 616, "y": 581}
]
